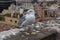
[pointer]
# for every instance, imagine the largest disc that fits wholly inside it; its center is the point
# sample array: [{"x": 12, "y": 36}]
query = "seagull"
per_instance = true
[{"x": 29, "y": 18}]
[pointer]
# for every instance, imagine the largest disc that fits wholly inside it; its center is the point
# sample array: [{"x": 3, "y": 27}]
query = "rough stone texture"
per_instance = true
[
  {"x": 7, "y": 34},
  {"x": 58, "y": 36},
  {"x": 44, "y": 34}
]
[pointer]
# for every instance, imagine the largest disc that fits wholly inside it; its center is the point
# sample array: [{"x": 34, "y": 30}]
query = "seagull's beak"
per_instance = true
[{"x": 26, "y": 12}]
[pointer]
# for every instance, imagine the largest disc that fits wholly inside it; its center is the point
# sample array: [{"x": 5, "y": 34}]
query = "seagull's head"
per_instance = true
[{"x": 30, "y": 11}]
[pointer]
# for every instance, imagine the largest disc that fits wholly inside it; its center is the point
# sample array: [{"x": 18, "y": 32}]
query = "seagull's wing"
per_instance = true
[{"x": 24, "y": 23}]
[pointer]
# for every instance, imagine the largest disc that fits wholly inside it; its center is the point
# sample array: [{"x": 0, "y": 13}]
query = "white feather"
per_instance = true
[{"x": 29, "y": 18}]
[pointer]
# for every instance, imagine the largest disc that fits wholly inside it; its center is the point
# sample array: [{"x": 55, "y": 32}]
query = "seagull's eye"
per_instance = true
[{"x": 30, "y": 11}]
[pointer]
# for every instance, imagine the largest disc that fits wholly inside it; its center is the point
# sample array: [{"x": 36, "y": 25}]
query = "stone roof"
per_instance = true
[
  {"x": 33, "y": 0},
  {"x": 24, "y": 0},
  {"x": 44, "y": 0}
]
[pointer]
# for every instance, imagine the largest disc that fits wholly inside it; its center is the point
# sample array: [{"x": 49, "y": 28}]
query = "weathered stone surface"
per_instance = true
[{"x": 15, "y": 34}]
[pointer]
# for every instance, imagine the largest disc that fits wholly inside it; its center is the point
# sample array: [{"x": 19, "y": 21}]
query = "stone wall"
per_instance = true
[{"x": 10, "y": 21}]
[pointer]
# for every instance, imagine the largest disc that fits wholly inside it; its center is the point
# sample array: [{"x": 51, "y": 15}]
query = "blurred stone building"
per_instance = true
[{"x": 4, "y": 4}]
